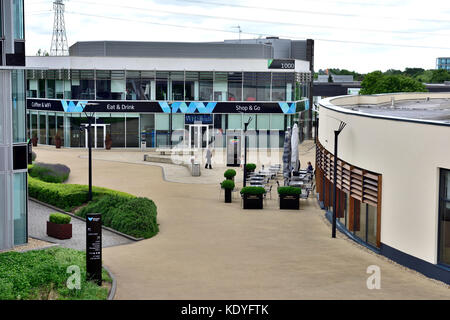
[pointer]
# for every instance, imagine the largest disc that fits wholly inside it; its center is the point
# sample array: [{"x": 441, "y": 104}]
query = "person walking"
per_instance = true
[{"x": 208, "y": 158}]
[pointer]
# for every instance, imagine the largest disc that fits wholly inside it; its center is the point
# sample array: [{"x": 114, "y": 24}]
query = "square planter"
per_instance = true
[
  {"x": 290, "y": 202},
  {"x": 59, "y": 231},
  {"x": 253, "y": 201}
]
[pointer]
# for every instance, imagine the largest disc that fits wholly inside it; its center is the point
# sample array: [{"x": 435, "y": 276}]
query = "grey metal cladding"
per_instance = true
[
  {"x": 298, "y": 50},
  {"x": 171, "y": 50}
]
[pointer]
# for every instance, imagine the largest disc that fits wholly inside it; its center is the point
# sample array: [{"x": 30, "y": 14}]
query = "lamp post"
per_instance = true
[
  {"x": 89, "y": 116},
  {"x": 336, "y": 134},
  {"x": 245, "y": 150}
]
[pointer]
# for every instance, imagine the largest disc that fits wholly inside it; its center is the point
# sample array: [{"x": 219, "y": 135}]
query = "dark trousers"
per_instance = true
[{"x": 206, "y": 166}]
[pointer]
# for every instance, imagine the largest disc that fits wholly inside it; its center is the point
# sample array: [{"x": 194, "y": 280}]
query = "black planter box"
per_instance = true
[
  {"x": 291, "y": 202},
  {"x": 227, "y": 195},
  {"x": 253, "y": 201}
]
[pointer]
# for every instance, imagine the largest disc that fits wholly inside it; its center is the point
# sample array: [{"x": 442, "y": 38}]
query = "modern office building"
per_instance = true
[
  {"x": 13, "y": 147},
  {"x": 393, "y": 175},
  {"x": 167, "y": 93},
  {"x": 443, "y": 63}
]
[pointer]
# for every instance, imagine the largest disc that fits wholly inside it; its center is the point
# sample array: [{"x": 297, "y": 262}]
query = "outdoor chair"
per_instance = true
[
  {"x": 235, "y": 191},
  {"x": 268, "y": 191},
  {"x": 220, "y": 190},
  {"x": 304, "y": 194}
]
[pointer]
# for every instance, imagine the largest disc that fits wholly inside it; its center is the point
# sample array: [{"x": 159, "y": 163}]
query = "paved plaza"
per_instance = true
[{"x": 207, "y": 249}]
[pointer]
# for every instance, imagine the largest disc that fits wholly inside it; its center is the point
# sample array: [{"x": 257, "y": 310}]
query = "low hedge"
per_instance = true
[
  {"x": 229, "y": 174},
  {"x": 227, "y": 184},
  {"x": 66, "y": 196},
  {"x": 59, "y": 218},
  {"x": 289, "y": 190},
  {"x": 47, "y": 172},
  {"x": 253, "y": 190},
  {"x": 133, "y": 216}
]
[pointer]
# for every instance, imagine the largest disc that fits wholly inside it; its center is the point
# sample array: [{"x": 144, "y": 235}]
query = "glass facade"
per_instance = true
[
  {"x": 18, "y": 19},
  {"x": 164, "y": 85},
  {"x": 18, "y": 106},
  {"x": 443, "y": 63},
  {"x": 444, "y": 217},
  {"x": 20, "y": 207}
]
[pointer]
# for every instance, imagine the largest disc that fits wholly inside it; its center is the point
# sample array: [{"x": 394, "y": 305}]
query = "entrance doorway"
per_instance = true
[
  {"x": 98, "y": 135},
  {"x": 198, "y": 136}
]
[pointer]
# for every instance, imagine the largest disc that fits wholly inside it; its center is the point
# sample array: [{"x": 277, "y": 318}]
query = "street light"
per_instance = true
[
  {"x": 336, "y": 134},
  {"x": 89, "y": 116},
  {"x": 245, "y": 149}
]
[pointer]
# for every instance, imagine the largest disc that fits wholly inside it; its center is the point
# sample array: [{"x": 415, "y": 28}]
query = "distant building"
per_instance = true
[
  {"x": 335, "y": 78},
  {"x": 159, "y": 94},
  {"x": 443, "y": 63},
  {"x": 13, "y": 148}
]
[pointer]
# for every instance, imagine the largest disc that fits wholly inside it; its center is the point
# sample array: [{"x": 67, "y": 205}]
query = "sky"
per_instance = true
[{"x": 359, "y": 35}]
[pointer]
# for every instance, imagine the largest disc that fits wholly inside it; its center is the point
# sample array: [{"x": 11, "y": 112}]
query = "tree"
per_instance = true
[
  {"x": 42, "y": 53},
  {"x": 377, "y": 82},
  {"x": 330, "y": 78},
  {"x": 439, "y": 76}
]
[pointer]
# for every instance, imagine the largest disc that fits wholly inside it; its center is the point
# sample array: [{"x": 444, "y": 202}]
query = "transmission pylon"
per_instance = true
[{"x": 59, "y": 46}]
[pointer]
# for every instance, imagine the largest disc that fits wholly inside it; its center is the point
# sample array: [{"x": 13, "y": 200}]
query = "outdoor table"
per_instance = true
[{"x": 257, "y": 185}]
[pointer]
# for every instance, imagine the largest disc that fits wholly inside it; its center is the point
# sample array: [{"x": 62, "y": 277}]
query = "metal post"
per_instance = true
[
  {"x": 90, "y": 158},
  {"x": 336, "y": 133},
  {"x": 245, "y": 154}
]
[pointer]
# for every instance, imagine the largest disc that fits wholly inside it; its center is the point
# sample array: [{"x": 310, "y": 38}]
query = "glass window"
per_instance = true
[
  {"x": 60, "y": 127},
  {"x": 103, "y": 84},
  {"x": 50, "y": 89},
  {"x": 372, "y": 225},
  {"x": 246, "y": 118},
  {"x": 234, "y": 86},
  {"x": 83, "y": 85},
  {"x": 277, "y": 122},
  {"x": 20, "y": 208},
  {"x": 220, "y": 86},
  {"x": 34, "y": 125},
  {"x": 51, "y": 128},
  {"x": 18, "y": 18},
  {"x": 18, "y": 106},
  {"x": 59, "y": 89},
  {"x": 263, "y": 121},
  {"x": 178, "y": 121},
  {"x": 234, "y": 121},
  {"x": 278, "y": 86},
  {"x": 32, "y": 86},
  {"x": 138, "y": 88},
  {"x": 360, "y": 219},
  {"x": 116, "y": 129},
  {"x": 191, "y": 86},
  {"x": 161, "y": 85},
  {"x": 77, "y": 136},
  {"x": 444, "y": 217},
  {"x": 263, "y": 86},
  {"x": 148, "y": 126},
  {"x": 162, "y": 122},
  {"x": 249, "y": 86},
  {"x": 132, "y": 131},
  {"x": 177, "y": 85},
  {"x": 206, "y": 86}
]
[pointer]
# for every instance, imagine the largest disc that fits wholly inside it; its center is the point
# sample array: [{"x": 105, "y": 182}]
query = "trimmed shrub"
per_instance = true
[
  {"x": 47, "y": 172},
  {"x": 289, "y": 190},
  {"x": 250, "y": 166},
  {"x": 59, "y": 218},
  {"x": 104, "y": 205},
  {"x": 133, "y": 216},
  {"x": 227, "y": 184},
  {"x": 253, "y": 190},
  {"x": 136, "y": 217},
  {"x": 66, "y": 196},
  {"x": 229, "y": 174}
]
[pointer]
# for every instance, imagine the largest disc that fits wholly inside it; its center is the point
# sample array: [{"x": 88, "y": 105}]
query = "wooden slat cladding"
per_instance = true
[{"x": 361, "y": 184}]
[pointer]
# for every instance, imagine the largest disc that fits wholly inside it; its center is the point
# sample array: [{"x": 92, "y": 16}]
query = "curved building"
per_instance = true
[{"x": 393, "y": 175}]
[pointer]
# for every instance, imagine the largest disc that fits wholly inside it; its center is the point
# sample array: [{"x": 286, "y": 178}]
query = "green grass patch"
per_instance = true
[{"x": 42, "y": 274}]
